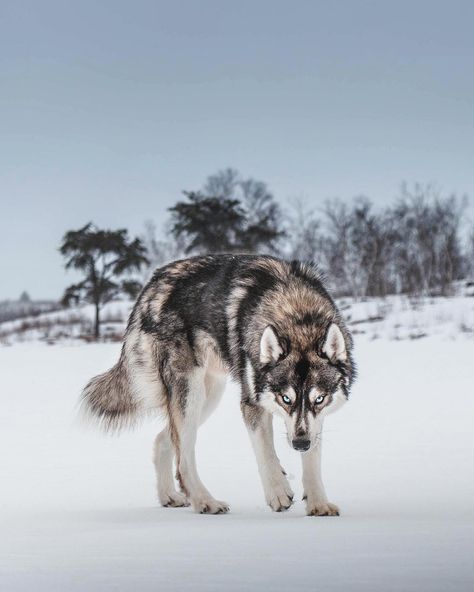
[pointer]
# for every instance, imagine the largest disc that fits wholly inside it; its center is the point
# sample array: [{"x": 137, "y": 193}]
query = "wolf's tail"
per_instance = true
[{"x": 108, "y": 399}]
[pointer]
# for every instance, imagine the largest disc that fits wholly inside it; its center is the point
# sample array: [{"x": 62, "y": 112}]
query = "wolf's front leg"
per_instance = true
[
  {"x": 185, "y": 416},
  {"x": 278, "y": 493},
  {"x": 317, "y": 503}
]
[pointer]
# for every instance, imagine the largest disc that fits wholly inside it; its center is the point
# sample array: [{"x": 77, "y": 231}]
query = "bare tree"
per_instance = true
[
  {"x": 358, "y": 248},
  {"x": 336, "y": 245},
  {"x": 264, "y": 221},
  {"x": 412, "y": 247},
  {"x": 305, "y": 241},
  {"x": 427, "y": 246},
  {"x": 161, "y": 247},
  {"x": 223, "y": 184},
  {"x": 469, "y": 255}
]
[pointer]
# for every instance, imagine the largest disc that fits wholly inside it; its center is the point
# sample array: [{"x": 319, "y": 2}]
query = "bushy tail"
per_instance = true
[{"x": 108, "y": 399}]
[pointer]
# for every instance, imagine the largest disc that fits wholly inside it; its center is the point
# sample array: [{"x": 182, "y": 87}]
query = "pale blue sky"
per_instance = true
[{"x": 109, "y": 109}]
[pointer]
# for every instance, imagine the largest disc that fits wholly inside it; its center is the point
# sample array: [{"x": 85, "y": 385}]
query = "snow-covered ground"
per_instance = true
[
  {"x": 78, "y": 509},
  {"x": 67, "y": 324},
  {"x": 393, "y": 317},
  {"x": 400, "y": 317}
]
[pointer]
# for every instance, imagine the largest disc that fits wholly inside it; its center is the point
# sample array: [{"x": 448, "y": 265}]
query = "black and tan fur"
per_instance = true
[{"x": 271, "y": 326}]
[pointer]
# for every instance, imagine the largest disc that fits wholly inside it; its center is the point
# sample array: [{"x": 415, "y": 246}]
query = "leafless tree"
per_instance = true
[
  {"x": 304, "y": 238},
  {"x": 224, "y": 184},
  {"x": 469, "y": 255},
  {"x": 412, "y": 247},
  {"x": 358, "y": 248},
  {"x": 161, "y": 249},
  {"x": 427, "y": 246},
  {"x": 348, "y": 245}
]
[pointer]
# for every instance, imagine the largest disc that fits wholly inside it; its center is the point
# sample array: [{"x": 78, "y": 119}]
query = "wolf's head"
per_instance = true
[{"x": 303, "y": 385}]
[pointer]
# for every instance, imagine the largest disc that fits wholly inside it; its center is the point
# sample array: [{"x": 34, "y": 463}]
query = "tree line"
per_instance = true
[{"x": 418, "y": 245}]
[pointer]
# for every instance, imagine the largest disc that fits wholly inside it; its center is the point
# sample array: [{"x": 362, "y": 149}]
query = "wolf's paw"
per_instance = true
[
  {"x": 210, "y": 506},
  {"x": 174, "y": 499},
  {"x": 280, "y": 497},
  {"x": 322, "y": 509}
]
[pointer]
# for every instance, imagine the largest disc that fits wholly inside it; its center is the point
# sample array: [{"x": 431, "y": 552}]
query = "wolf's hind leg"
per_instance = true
[
  {"x": 215, "y": 385},
  {"x": 186, "y": 413},
  {"x": 278, "y": 493},
  {"x": 163, "y": 460}
]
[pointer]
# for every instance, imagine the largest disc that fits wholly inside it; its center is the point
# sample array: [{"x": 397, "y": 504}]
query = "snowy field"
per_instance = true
[
  {"x": 393, "y": 318},
  {"x": 78, "y": 509}
]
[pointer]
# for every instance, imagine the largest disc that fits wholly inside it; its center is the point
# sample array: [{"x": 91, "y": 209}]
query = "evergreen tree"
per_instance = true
[
  {"x": 103, "y": 256},
  {"x": 231, "y": 214},
  {"x": 209, "y": 224}
]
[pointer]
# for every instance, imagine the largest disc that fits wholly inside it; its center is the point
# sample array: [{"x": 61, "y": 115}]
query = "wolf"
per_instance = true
[{"x": 270, "y": 325}]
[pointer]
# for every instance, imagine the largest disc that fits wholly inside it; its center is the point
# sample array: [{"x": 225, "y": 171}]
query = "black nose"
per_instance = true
[{"x": 301, "y": 444}]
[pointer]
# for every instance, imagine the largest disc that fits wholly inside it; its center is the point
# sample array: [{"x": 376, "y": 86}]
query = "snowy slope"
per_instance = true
[
  {"x": 67, "y": 324},
  {"x": 393, "y": 317},
  {"x": 399, "y": 317},
  {"x": 78, "y": 510}
]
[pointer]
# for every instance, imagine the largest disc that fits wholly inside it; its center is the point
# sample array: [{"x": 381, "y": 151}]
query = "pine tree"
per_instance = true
[{"x": 103, "y": 256}]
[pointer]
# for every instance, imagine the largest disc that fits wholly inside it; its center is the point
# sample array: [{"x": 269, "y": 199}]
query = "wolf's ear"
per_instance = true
[
  {"x": 271, "y": 349},
  {"x": 334, "y": 345}
]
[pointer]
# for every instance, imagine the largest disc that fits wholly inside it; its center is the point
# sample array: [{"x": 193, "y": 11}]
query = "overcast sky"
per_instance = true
[{"x": 109, "y": 109}]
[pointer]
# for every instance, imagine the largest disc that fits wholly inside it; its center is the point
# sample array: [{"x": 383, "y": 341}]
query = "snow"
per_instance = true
[
  {"x": 393, "y": 317},
  {"x": 78, "y": 509},
  {"x": 399, "y": 317},
  {"x": 67, "y": 324}
]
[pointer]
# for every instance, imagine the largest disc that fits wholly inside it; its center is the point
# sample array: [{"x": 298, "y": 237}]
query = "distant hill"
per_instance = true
[
  {"x": 54, "y": 323},
  {"x": 393, "y": 318},
  {"x": 11, "y": 310}
]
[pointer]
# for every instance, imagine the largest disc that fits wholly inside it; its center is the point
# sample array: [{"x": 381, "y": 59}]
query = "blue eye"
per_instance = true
[
  {"x": 286, "y": 400},
  {"x": 320, "y": 399}
]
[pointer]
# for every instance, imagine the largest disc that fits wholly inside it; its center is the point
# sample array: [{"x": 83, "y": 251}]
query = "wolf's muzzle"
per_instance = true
[{"x": 301, "y": 444}]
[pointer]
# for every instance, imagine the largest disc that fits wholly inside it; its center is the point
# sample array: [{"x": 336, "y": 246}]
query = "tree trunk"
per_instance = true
[{"x": 97, "y": 322}]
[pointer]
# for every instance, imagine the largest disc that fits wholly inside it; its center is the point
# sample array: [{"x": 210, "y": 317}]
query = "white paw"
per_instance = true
[
  {"x": 279, "y": 496},
  {"x": 321, "y": 509},
  {"x": 209, "y": 505},
  {"x": 173, "y": 499}
]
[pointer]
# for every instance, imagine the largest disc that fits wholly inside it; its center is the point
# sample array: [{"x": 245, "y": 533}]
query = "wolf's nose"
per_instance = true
[{"x": 301, "y": 444}]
